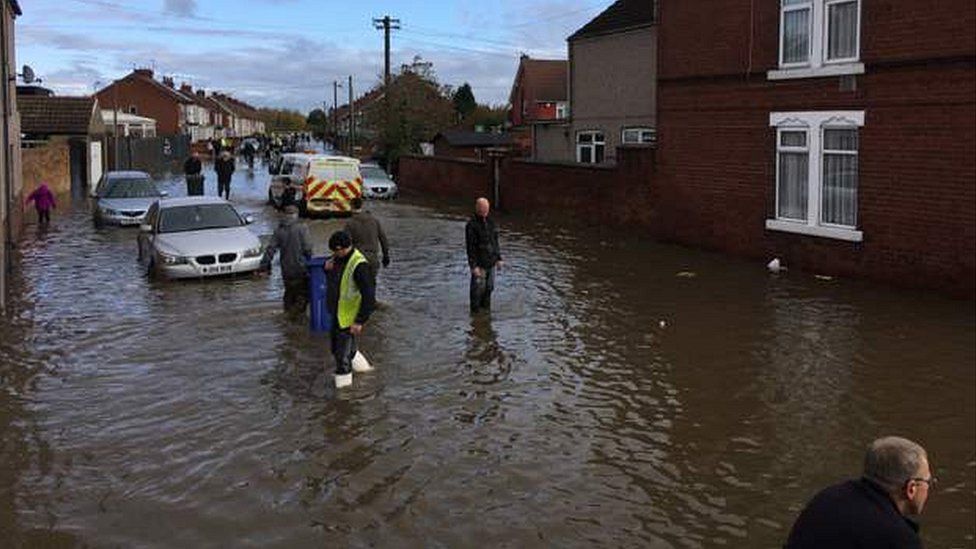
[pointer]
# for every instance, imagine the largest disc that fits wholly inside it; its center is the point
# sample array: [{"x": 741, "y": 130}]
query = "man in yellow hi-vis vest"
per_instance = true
[{"x": 351, "y": 298}]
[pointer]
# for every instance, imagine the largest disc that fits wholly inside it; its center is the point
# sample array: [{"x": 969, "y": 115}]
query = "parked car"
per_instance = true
[
  {"x": 122, "y": 198},
  {"x": 197, "y": 236},
  {"x": 377, "y": 183}
]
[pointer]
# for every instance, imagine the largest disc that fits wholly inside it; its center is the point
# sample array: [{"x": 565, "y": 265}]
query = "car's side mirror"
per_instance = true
[
  {"x": 145, "y": 228},
  {"x": 248, "y": 219},
  {"x": 163, "y": 194}
]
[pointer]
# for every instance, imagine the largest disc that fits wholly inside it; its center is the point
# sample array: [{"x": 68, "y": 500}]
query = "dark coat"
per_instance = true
[
  {"x": 857, "y": 514},
  {"x": 224, "y": 169},
  {"x": 368, "y": 237},
  {"x": 481, "y": 240},
  {"x": 192, "y": 166}
]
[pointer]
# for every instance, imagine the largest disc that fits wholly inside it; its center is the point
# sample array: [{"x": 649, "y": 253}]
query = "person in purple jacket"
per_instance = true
[{"x": 43, "y": 202}]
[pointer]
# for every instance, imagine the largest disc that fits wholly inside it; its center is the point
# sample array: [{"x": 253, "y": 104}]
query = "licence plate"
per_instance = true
[
  {"x": 129, "y": 221},
  {"x": 217, "y": 270}
]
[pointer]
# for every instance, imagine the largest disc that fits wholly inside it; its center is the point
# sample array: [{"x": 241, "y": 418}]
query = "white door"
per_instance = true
[{"x": 94, "y": 165}]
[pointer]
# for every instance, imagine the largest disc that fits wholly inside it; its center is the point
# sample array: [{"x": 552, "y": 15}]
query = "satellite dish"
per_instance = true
[{"x": 28, "y": 75}]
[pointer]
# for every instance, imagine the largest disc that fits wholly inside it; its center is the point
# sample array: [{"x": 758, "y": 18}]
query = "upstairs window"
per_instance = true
[{"x": 819, "y": 38}]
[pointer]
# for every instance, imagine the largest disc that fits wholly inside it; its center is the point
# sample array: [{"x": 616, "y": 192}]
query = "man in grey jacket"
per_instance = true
[
  {"x": 368, "y": 237},
  {"x": 291, "y": 237}
]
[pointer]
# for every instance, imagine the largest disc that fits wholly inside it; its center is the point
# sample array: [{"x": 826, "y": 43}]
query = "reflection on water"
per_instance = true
[{"x": 620, "y": 393}]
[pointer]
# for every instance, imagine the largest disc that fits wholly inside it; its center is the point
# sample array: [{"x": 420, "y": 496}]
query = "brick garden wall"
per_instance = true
[
  {"x": 613, "y": 196},
  {"x": 458, "y": 179}
]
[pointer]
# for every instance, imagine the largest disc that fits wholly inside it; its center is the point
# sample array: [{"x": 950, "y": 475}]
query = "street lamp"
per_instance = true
[{"x": 335, "y": 110}]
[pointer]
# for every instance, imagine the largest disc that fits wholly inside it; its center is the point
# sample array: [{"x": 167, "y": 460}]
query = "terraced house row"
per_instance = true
[{"x": 180, "y": 110}]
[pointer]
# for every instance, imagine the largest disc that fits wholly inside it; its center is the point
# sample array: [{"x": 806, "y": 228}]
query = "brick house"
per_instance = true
[
  {"x": 244, "y": 119},
  {"x": 612, "y": 87},
  {"x": 199, "y": 120},
  {"x": 539, "y": 95},
  {"x": 838, "y": 135},
  {"x": 539, "y": 91},
  {"x": 141, "y": 94}
]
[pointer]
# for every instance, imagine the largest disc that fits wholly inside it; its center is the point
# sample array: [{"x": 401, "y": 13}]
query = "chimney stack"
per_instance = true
[{"x": 168, "y": 82}]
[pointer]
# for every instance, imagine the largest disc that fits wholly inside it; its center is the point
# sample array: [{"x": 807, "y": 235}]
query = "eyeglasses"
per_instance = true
[{"x": 931, "y": 481}]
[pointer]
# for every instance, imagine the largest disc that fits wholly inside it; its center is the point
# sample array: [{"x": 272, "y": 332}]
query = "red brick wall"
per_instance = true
[
  {"x": 613, "y": 196},
  {"x": 715, "y": 184},
  {"x": 452, "y": 178},
  {"x": 149, "y": 101}
]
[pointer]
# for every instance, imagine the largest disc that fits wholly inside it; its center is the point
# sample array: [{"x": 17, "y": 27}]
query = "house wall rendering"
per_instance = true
[{"x": 613, "y": 84}]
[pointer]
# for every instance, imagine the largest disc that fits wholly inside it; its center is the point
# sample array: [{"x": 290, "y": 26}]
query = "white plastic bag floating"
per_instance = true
[
  {"x": 775, "y": 266},
  {"x": 360, "y": 364}
]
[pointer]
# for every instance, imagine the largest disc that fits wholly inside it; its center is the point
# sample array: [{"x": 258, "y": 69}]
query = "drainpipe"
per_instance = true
[{"x": 5, "y": 141}]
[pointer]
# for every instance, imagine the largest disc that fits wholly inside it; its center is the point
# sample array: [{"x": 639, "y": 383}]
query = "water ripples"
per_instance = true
[{"x": 605, "y": 401}]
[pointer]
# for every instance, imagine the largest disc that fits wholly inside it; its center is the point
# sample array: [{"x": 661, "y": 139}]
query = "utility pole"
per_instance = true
[
  {"x": 352, "y": 120},
  {"x": 387, "y": 24}
]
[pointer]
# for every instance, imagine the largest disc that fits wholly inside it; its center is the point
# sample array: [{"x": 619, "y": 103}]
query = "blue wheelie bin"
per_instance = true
[{"x": 320, "y": 319}]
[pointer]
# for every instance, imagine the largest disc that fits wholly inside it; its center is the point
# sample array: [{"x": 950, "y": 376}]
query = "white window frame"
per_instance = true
[
  {"x": 813, "y": 123},
  {"x": 817, "y": 64},
  {"x": 641, "y": 131},
  {"x": 826, "y": 34},
  {"x": 784, "y": 9},
  {"x": 592, "y": 144},
  {"x": 562, "y": 110}
]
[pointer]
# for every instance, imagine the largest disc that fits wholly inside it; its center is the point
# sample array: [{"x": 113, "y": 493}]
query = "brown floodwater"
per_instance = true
[{"x": 622, "y": 393}]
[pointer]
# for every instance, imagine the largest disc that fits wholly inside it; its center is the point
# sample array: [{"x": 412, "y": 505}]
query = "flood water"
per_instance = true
[{"x": 622, "y": 393}]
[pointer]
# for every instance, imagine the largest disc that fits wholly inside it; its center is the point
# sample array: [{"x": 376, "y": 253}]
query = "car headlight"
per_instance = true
[
  {"x": 173, "y": 259},
  {"x": 109, "y": 211},
  {"x": 253, "y": 252}
]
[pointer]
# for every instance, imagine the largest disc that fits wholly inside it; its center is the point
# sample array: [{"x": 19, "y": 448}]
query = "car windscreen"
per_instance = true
[
  {"x": 198, "y": 217},
  {"x": 373, "y": 173},
  {"x": 333, "y": 172},
  {"x": 130, "y": 188}
]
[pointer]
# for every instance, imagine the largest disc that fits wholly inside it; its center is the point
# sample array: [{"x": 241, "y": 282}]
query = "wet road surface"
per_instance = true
[{"x": 622, "y": 393}]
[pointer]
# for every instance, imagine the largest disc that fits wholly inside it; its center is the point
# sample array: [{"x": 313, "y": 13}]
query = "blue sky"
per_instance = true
[{"x": 286, "y": 53}]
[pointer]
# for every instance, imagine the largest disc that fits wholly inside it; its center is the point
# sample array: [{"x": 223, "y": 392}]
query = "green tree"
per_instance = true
[
  {"x": 282, "y": 120},
  {"x": 464, "y": 102},
  {"x": 318, "y": 122},
  {"x": 418, "y": 108}
]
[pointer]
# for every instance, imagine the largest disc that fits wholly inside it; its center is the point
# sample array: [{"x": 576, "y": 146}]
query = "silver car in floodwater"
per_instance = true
[
  {"x": 197, "y": 236},
  {"x": 122, "y": 198},
  {"x": 377, "y": 183}
]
